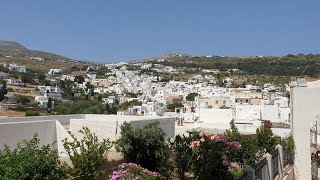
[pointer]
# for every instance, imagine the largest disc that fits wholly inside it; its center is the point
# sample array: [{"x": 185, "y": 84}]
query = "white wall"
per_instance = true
[
  {"x": 63, "y": 119},
  {"x": 216, "y": 115},
  {"x": 101, "y": 127},
  {"x": 108, "y": 126},
  {"x": 267, "y": 112},
  {"x": 61, "y": 134},
  {"x": 15, "y": 132},
  {"x": 305, "y": 105},
  {"x": 249, "y": 112}
]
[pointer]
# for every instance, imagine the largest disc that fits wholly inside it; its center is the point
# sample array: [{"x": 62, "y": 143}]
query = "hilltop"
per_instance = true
[
  {"x": 16, "y": 50},
  {"x": 11, "y": 45},
  {"x": 290, "y": 65},
  {"x": 11, "y": 51}
]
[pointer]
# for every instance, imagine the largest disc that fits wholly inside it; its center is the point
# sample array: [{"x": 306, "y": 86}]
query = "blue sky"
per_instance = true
[{"x": 114, "y": 30}]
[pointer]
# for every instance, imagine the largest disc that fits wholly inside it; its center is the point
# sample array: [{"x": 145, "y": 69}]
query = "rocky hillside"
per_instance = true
[
  {"x": 11, "y": 51},
  {"x": 11, "y": 45}
]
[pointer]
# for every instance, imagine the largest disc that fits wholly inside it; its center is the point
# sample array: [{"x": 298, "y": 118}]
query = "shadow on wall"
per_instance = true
[{"x": 111, "y": 164}]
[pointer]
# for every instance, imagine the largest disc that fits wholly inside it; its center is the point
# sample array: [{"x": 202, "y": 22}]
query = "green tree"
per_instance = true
[
  {"x": 145, "y": 146},
  {"x": 182, "y": 154},
  {"x": 246, "y": 156},
  {"x": 3, "y": 90},
  {"x": 79, "y": 79},
  {"x": 30, "y": 161},
  {"x": 87, "y": 155},
  {"x": 174, "y": 105},
  {"x": 191, "y": 96},
  {"x": 266, "y": 140},
  {"x": 81, "y": 107},
  {"x": 41, "y": 76},
  {"x": 126, "y": 105},
  {"x": 27, "y": 77},
  {"x": 24, "y": 100},
  {"x": 49, "y": 105},
  {"x": 111, "y": 110},
  {"x": 32, "y": 113}
]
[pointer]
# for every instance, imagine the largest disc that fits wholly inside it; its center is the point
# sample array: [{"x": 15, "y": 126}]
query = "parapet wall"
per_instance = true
[
  {"x": 15, "y": 132},
  {"x": 108, "y": 126},
  {"x": 63, "y": 119},
  {"x": 102, "y": 128}
]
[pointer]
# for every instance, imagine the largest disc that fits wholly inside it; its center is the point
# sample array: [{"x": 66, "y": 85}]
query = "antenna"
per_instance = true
[{"x": 305, "y": 69}]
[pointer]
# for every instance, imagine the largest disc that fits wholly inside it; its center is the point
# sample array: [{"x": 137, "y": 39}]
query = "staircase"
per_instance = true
[{"x": 72, "y": 135}]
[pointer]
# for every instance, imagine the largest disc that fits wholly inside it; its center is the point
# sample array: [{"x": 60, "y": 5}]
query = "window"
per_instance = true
[
  {"x": 247, "y": 100},
  {"x": 217, "y": 102},
  {"x": 224, "y": 102}
]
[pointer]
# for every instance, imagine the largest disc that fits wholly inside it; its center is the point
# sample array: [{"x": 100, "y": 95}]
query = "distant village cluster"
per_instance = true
[{"x": 151, "y": 89}]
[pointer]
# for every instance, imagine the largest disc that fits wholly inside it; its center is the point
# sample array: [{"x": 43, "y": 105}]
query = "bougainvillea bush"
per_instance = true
[
  {"x": 210, "y": 158},
  {"x": 132, "y": 171}
]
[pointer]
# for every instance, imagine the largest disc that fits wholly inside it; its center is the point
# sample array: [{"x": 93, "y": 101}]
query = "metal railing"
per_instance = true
[
  {"x": 288, "y": 157},
  {"x": 261, "y": 168},
  {"x": 275, "y": 162},
  {"x": 272, "y": 166}
]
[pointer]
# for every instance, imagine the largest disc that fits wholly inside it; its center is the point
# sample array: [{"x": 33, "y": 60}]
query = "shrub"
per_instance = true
[
  {"x": 24, "y": 100},
  {"x": 246, "y": 156},
  {"x": 129, "y": 171},
  {"x": 210, "y": 159},
  {"x": 126, "y": 105},
  {"x": 32, "y": 113},
  {"x": 29, "y": 161},
  {"x": 182, "y": 154},
  {"x": 191, "y": 96},
  {"x": 87, "y": 155},
  {"x": 266, "y": 140},
  {"x": 236, "y": 174},
  {"x": 175, "y": 105},
  {"x": 20, "y": 108},
  {"x": 145, "y": 146},
  {"x": 81, "y": 107},
  {"x": 288, "y": 143}
]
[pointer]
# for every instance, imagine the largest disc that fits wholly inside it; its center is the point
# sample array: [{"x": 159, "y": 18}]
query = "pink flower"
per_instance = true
[
  {"x": 214, "y": 137},
  {"x": 225, "y": 162},
  {"x": 237, "y": 145},
  {"x": 202, "y": 139},
  {"x": 194, "y": 144},
  {"x": 223, "y": 137},
  {"x": 267, "y": 123},
  {"x": 202, "y": 134}
]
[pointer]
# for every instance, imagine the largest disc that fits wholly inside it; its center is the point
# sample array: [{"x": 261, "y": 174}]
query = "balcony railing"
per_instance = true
[{"x": 272, "y": 165}]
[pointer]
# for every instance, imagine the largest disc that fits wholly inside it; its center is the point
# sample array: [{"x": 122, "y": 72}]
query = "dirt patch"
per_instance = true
[{"x": 11, "y": 113}]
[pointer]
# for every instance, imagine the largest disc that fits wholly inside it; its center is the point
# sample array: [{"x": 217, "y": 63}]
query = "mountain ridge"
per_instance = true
[{"x": 11, "y": 45}]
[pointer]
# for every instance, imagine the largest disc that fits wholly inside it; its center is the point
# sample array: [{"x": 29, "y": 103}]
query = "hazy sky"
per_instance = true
[{"x": 114, "y": 30}]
